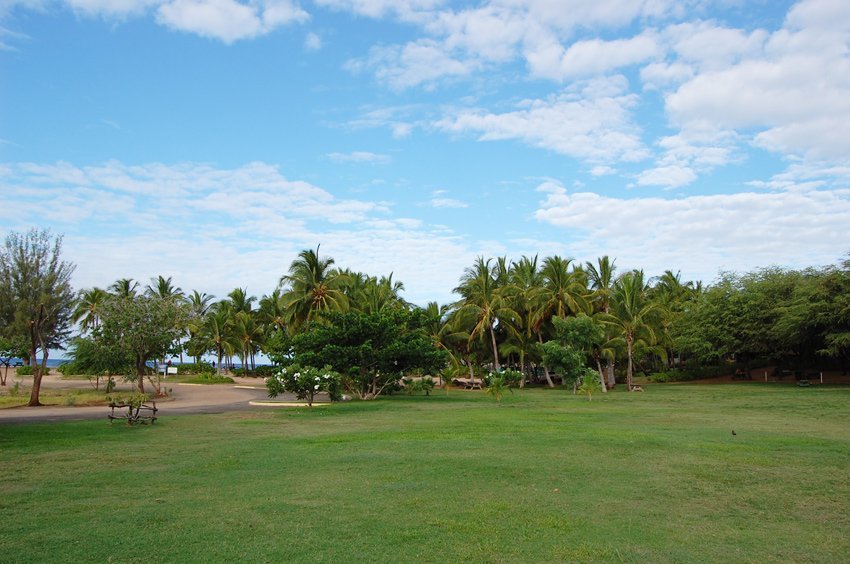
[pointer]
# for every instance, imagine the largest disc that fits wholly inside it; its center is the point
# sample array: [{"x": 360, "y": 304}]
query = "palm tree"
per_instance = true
[
  {"x": 240, "y": 301},
  {"x": 124, "y": 288},
  {"x": 601, "y": 278},
  {"x": 526, "y": 282},
  {"x": 272, "y": 311},
  {"x": 199, "y": 303},
  {"x": 163, "y": 288},
  {"x": 563, "y": 293},
  {"x": 634, "y": 316},
  {"x": 312, "y": 287},
  {"x": 218, "y": 333},
  {"x": 375, "y": 295},
  {"x": 249, "y": 335},
  {"x": 483, "y": 301},
  {"x": 87, "y": 311}
]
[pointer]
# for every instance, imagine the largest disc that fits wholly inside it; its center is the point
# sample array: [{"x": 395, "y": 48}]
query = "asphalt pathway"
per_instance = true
[{"x": 185, "y": 399}]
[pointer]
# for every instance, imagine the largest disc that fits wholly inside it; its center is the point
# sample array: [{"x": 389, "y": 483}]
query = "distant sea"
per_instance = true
[{"x": 56, "y": 362}]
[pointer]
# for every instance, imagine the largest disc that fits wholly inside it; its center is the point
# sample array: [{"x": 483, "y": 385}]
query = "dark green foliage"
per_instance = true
[
  {"x": 141, "y": 327},
  {"x": 795, "y": 318},
  {"x": 195, "y": 368},
  {"x": 26, "y": 370},
  {"x": 569, "y": 351},
  {"x": 36, "y": 298},
  {"x": 371, "y": 351}
]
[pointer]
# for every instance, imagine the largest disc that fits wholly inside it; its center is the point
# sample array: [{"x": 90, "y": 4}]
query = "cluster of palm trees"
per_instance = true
[
  {"x": 506, "y": 311},
  {"x": 234, "y": 327}
]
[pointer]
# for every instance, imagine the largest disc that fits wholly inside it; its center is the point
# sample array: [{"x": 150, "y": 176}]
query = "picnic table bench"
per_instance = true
[{"x": 135, "y": 412}]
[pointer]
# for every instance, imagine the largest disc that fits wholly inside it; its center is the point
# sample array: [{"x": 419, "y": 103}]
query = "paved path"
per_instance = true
[{"x": 188, "y": 399}]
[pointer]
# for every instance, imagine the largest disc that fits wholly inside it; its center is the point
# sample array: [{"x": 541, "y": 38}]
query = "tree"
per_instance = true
[
  {"x": 124, "y": 287},
  {"x": 162, "y": 287},
  {"x": 96, "y": 358},
  {"x": 576, "y": 339},
  {"x": 371, "y": 351},
  {"x": 312, "y": 288},
  {"x": 634, "y": 316},
  {"x": 601, "y": 278},
  {"x": 36, "y": 299},
  {"x": 483, "y": 301},
  {"x": 9, "y": 349},
  {"x": 144, "y": 327},
  {"x": 87, "y": 310},
  {"x": 217, "y": 332}
]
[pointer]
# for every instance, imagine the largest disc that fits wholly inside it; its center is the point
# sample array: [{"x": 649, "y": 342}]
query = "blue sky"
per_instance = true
[{"x": 211, "y": 140}]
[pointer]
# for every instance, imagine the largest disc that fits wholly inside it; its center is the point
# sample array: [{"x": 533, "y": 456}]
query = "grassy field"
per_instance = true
[{"x": 543, "y": 476}]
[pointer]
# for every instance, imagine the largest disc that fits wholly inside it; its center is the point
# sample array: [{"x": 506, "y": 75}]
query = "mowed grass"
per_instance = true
[{"x": 543, "y": 476}]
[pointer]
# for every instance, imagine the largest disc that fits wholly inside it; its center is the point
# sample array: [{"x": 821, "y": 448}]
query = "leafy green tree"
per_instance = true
[
  {"x": 36, "y": 299},
  {"x": 371, "y": 351},
  {"x": 144, "y": 327},
  {"x": 97, "y": 358}
]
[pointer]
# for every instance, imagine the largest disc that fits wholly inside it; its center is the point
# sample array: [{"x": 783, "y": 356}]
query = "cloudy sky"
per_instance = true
[{"x": 211, "y": 140}]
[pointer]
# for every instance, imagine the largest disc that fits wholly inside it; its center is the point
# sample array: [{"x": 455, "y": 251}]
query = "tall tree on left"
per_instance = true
[{"x": 36, "y": 298}]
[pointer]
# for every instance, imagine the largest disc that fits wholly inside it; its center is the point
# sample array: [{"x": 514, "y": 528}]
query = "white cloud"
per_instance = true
[
  {"x": 447, "y": 203},
  {"x": 590, "y": 120},
  {"x": 592, "y": 56},
  {"x": 111, "y": 8},
  {"x": 424, "y": 61},
  {"x": 312, "y": 42},
  {"x": 359, "y": 157},
  {"x": 381, "y": 8},
  {"x": 701, "y": 234},
  {"x": 213, "y": 229},
  {"x": 229, "y": 20},
  {"x": 670, "y": 176},
  {"x": 790, "y": 91}
]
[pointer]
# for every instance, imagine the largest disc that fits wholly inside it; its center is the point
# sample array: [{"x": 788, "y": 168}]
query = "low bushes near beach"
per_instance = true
[{"x": 17, "y": 395}]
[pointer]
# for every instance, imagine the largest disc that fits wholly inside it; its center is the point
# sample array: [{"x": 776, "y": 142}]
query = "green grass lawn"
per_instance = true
[{"x": 544, "y": 476}]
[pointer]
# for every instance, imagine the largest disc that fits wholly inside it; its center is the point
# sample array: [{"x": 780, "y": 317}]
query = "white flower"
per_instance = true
[{"x": 316, "y": 387}]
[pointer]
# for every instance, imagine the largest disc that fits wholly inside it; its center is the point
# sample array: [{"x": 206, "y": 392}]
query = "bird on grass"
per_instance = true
[{"x": 733, "y": 432}]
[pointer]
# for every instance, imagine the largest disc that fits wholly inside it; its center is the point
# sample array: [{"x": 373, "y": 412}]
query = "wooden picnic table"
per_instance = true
[{"x": 140, "y": 412}]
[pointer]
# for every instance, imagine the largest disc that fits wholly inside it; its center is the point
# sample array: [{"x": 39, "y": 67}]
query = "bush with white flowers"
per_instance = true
[{"x": 304, "y": 382}]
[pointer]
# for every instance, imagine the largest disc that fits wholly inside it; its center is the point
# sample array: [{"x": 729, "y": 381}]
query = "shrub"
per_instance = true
[
  {"x": 305, "y": 382},
  {"x": 688, "y": 374},
  {"x": 510, "y": 378},
  {"x": 210, "y": 378},
  {"x": 25, "y": 370},
  {"x": 195, "y": 368},
  {"x": 412, "y": 386}
]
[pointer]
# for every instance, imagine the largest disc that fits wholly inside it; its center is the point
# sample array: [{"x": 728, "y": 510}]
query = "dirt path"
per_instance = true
[{"x": 187, "y": 399}]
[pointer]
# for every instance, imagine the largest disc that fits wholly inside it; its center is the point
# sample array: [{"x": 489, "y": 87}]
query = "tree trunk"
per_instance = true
[
  {"x": 545, "y": 368},
  {"x": 522, "y": 369},
  {"x": 629, "y": 365},
  {"x": 609, "y": 370},
  {"x": 495, "y": 348},
  {"x": 601, "y": 376},
  {"x": 37, "y": 373},
  {"x": 140, "y": 373}
]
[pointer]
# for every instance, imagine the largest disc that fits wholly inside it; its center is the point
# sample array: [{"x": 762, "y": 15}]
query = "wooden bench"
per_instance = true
[{"x": 136, "y": 413}]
